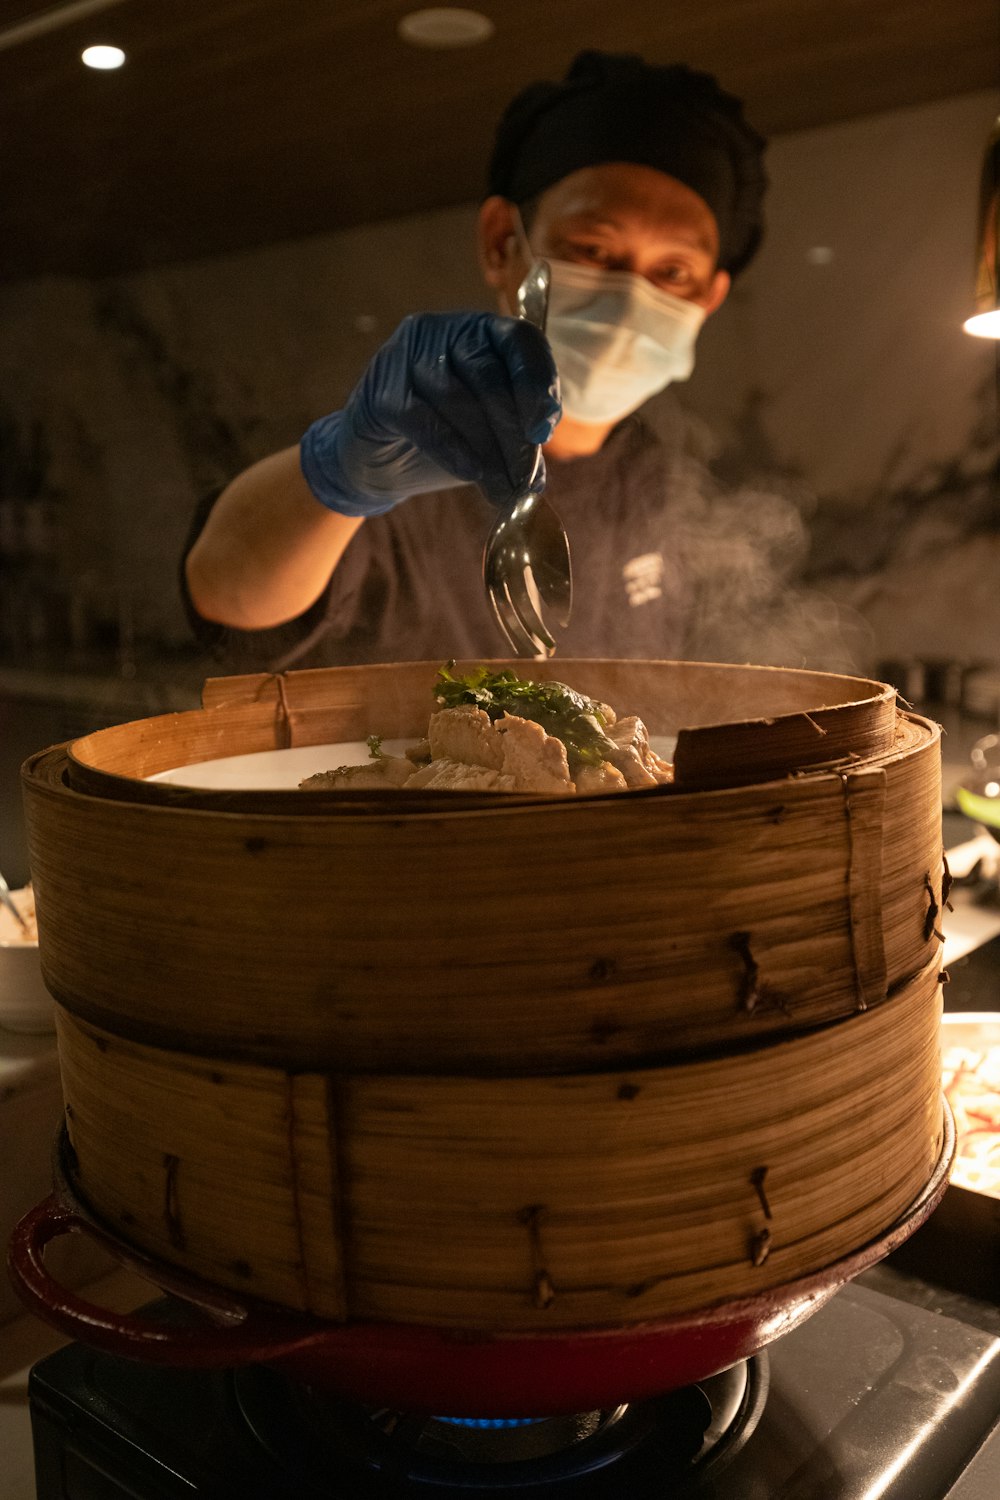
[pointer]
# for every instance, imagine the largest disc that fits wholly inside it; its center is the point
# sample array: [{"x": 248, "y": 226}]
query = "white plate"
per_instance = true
[
  {"x": 278, "y": 770},
  {"x": 275, "y": 770}
]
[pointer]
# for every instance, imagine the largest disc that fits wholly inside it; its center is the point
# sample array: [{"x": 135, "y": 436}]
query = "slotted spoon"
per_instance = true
[{"x": 526, "y": 560}]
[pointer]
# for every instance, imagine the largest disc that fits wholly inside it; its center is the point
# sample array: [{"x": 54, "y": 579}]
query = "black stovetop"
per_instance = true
[{"x": 873, "y": 1398}]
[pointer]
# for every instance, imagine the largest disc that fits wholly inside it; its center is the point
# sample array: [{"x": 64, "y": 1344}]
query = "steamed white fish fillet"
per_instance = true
[
  {"x": 465, "y": 734},
  {"x": 470, "y": 751},
  {"x": 636, "y": 760},
  {"x": 380, "y": 771},
  {"x": 458, "y": 776}
]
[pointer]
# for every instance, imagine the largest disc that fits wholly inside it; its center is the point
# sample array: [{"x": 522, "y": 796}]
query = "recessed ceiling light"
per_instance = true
[
  {"x": 445, "y": 26},
  {"x": 104, "y": 58}
]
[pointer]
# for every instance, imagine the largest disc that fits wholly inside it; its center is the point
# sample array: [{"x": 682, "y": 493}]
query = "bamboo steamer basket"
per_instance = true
[
  {"x": 411, "y": 931},
  {"x": 492, "y": 1063},
  {"x": 517, "y": 1203}
]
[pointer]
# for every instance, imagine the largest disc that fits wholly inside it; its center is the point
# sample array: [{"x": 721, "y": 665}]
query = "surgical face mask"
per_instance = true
[{"x": 616, "y": 339}]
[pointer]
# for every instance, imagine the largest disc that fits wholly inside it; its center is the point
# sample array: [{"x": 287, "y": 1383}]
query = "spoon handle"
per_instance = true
[{"x": 533, "y": 307}]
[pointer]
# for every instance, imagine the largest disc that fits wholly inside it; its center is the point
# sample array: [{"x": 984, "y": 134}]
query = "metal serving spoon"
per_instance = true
[{"x": 526, "y": 561}]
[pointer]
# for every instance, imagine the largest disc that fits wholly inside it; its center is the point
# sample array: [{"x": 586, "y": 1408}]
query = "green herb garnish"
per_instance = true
[
  {"x": 375, "y": 746},
  {"x": 578, "y": 721}
]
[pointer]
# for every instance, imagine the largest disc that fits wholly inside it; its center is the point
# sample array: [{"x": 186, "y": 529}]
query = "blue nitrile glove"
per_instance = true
[{"x": 449, "y": 399}]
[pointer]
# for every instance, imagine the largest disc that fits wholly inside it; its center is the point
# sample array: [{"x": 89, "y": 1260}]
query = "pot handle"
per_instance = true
[{"x": 237, "y": 1332}]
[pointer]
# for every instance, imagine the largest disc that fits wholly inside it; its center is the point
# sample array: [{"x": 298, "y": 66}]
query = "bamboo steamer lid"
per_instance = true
[{"x": 399, "y": 932}]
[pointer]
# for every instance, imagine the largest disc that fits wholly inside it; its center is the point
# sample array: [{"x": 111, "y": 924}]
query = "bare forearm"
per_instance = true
[{"x": 268, "y": 547}]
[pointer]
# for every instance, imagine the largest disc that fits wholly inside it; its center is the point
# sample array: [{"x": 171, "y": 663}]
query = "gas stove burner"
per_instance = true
[
  {"x": 472, "y": 1442},
  {"x": 479, "y": 1440},
  {"x": 666, "y": 1446}
]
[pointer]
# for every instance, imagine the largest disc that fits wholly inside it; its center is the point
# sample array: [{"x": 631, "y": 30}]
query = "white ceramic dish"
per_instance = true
[{"x": 276, "y": 770}]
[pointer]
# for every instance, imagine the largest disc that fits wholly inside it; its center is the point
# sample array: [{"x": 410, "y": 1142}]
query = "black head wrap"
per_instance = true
[{"x": 614, "y": 107}]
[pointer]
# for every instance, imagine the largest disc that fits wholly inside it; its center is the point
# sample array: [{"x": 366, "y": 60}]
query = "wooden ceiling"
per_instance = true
[{"x": 240, "y": 122}]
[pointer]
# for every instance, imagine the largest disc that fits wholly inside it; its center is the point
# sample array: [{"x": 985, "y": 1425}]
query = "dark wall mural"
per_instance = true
[{"x": 836, "y": 480}]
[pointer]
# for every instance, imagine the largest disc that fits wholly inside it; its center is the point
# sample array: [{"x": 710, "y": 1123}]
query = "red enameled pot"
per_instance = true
[{"x": 420, "y": 1368}]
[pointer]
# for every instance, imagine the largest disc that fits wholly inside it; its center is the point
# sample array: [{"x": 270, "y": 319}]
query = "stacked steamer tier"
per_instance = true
[{"x": 494, "y": 1065}]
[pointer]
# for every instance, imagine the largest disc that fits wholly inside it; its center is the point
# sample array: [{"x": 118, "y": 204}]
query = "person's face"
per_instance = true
[{"x": 617, "y": 216}]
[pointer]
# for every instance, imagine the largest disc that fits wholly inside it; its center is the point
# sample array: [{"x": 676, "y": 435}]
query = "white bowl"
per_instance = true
[{"x": 25, "y": 1003}]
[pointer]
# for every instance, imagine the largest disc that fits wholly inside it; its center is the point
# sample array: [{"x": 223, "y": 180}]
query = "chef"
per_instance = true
[{"x": 642, "y": 186}]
